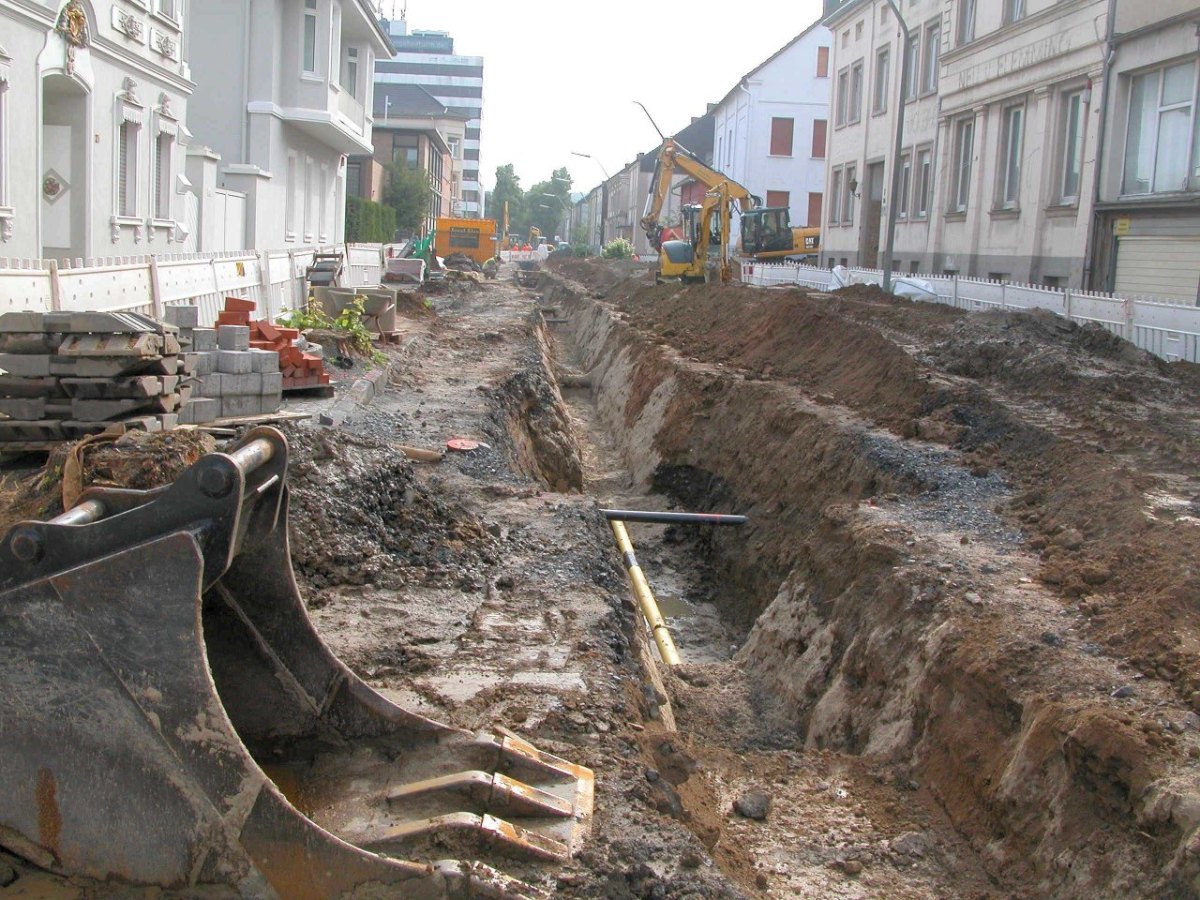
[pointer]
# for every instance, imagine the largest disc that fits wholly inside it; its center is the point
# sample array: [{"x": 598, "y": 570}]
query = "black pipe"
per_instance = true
[{"x": 668, "y": 518}]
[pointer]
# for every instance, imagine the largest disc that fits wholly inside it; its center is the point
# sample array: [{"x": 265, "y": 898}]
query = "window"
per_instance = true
[
  {"x": 856, "y": 89},
  {"x": 321, "y": 226},
  {"x": 929, "y": 71},
  {"x": 913, "y": 68},
  {"x": 820, "y": 137},
  {"x": 163, "y": 145},
  {"x": 964, "y": 140},
  {"x": 169, "y": 9},
  {"x": 845, "y": 38},
  {"x": 350, "y": 78},
  {"x": 1009, "y": 190},
  {"x": 924, "y": 186},
  {"x": 822, "y": 62},
  {"x": 858, "y": 30},
  {"x": 1072, "y": 159},
  {"x": 814, "y": 209},
  {"x": 835, "y": 195},
  {"x": 127, "y": 175},
  {"x": 1162, "y": 141},
  {"x": 455, "y": 147},
  {"x": 779, "y": 198},
  {"x": 843, "y": 97},
  {"x": 848, "y": 196},
  {"x": 879, "y": 94},
  {"x": 308, "y": 198},
  {"x": 310, "y": 36},
  {"x": 3, "y": 139},
  {"x": 289, "y": 209},
  {"x": 781, "y": 136},
  {"x": 966, "y": 21},
  {"x": 405, "y": 150},
  {"x": 905, "y": 184},
  {"x": 1014, "y": 11},
  {"x": 354, "y": 179}
]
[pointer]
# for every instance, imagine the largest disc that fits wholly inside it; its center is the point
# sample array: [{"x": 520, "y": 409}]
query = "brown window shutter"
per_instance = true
[
  {"x": 778, "y": 198},
  {"x": 822, "y": 62},
  {"x": 781, "y": 136},
  {"x": 814, "y": 209},
  {"x": 820, "y": 126}
]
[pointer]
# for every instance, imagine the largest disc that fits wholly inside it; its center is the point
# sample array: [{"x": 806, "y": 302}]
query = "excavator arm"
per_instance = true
[{"x": 674, "y": 157}]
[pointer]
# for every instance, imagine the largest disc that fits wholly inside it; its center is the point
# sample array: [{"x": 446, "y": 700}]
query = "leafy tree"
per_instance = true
[
  {"x": 409, "y": 194},
  {"x": 508, "y": 190},
  {"x": 549, "y": 203}
]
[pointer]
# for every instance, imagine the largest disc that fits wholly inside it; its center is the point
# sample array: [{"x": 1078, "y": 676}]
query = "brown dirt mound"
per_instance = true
[{"x": 359, "y": 516}]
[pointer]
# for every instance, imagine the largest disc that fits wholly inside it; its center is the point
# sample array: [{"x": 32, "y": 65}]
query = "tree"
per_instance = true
[
  {"x": 507, "y": 190},
  {"x": 549, "y": 203},
  {"x": 408, "y": 192}
]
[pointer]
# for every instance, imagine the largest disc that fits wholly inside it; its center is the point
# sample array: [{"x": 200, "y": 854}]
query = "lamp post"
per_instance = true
[
  {"x": 603, "y": 192},
  {"x": 889, "y": 242}
]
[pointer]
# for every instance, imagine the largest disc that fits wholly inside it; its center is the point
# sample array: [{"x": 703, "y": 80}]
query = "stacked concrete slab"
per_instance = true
[
  {"x": 233, "y": 378},
  {"x": 67, "y": 375}
]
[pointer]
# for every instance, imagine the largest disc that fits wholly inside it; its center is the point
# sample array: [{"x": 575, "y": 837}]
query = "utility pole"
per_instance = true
[{"x": 889, "y": 243}]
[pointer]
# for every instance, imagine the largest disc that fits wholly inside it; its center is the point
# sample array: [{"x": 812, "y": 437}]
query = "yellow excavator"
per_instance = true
[{"x": 765, "y": 231}]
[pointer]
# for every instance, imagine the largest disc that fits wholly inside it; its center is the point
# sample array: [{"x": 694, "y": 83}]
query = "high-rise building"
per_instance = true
[{"x": 427, "y": 59}]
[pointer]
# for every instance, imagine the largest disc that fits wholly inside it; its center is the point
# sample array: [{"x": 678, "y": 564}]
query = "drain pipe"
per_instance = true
[
  {"x": 641, "y": 589},
  {"x": 671, "y": 518}
]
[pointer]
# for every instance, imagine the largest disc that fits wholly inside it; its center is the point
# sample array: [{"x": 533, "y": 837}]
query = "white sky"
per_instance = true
[{"x": 563, "y": 76}]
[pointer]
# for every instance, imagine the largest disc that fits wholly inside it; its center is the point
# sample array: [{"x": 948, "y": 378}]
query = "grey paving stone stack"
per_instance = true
[
  {"x": 232, "y": 378},
  {"x": 66, "y": 375}
]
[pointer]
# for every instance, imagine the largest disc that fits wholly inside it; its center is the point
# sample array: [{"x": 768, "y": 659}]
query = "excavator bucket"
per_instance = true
[{"x": 169, "y": 716}]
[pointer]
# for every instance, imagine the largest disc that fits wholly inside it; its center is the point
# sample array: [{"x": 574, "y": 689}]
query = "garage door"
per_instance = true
[{"x": 1167, "y": 267}]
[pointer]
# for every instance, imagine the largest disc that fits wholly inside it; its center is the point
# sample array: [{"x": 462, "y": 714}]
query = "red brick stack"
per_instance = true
[{"x": 300, "y": 370}]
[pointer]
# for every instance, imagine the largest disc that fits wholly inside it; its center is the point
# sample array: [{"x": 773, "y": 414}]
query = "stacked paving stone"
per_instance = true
[
  {"x": 234, "y": 379},
  {"x": 67, "y": 375}
]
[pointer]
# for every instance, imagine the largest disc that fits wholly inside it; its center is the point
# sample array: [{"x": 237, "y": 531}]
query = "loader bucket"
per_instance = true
[{"x": 169, "y": 716}]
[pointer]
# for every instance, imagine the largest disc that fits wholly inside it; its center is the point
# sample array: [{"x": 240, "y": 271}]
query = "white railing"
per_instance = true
[
  {"x": 273, "y": 279},
  {"x": 1169, "y": 330}
]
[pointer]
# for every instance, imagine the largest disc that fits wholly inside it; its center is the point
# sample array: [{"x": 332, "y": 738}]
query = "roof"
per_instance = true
[
  {"x": 696, "y": 137},
  {"x": 820, "y": 23},
  {"x": 836, "y": 9},
  {"x": 410, "y": 101}
]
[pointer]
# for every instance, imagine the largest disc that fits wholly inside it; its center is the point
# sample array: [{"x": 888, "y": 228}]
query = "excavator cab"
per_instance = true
[
  {"x": 170, "y": 716},
  {"x": 765, "y": 230}
]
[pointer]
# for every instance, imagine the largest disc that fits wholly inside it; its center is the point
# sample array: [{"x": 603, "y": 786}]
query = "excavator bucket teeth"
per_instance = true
[{"x": 170, "y": 716}]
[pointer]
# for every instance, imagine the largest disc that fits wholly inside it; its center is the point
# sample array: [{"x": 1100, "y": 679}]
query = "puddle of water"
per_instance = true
[{"x": 674, "y": 607}]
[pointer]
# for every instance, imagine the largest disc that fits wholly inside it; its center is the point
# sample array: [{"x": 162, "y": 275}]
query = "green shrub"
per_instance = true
[
  {"x": 618, "y": 249},
  {"x": 583, "y": 251},
  {"x": 368, "y": 222}
]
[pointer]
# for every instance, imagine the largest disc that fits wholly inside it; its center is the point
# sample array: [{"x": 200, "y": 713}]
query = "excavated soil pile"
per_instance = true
[
  {"x": 1004, "y": 608},
  {"x": 359, "y": 517}
]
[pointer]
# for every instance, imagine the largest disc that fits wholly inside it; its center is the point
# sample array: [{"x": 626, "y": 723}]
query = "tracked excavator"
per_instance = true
[
  {"x": 170, "y": 717},
  {"x": 765, "y": 231}
]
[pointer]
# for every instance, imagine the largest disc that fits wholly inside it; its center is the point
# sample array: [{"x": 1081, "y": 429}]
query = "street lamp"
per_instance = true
[
  {"x": 603, "y": 191},
  {"x": 889, "y": 243},
  {"x": 565, "y": 207}
]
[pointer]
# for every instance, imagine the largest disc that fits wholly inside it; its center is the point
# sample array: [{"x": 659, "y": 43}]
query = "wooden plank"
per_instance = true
[{"x": 264, "y": 418}]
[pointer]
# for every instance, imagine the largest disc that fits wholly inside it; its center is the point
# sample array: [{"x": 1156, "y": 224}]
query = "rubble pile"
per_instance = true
[{"x": 70, "y": 374}]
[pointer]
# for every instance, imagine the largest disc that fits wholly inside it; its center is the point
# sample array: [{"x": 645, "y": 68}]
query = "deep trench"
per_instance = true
[{"x": 832, "y": 623}]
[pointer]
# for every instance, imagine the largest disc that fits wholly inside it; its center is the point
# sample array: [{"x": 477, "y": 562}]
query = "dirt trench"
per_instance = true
[{"x": 894, "y": 609}]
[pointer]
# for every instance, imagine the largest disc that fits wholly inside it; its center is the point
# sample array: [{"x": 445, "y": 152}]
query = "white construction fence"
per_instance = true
[
  {"x": 274, "y": 279},
  {"x": 1169, "y": 330}
]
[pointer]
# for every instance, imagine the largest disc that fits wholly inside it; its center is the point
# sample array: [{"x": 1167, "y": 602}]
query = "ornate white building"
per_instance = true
[{"x": 93, "y": 98}]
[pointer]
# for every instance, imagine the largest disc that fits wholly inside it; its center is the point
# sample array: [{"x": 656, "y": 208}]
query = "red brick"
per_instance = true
[
  {"x": 237, "y": 304},
  {"x": 268, "y": 331}
]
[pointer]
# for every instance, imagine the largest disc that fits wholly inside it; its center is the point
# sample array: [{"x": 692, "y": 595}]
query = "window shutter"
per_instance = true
[
  {"x": 778, "y": 198},
  {"x": 781, "y": 136},
  {"x": 820, "y": 127},
  {"x": 822, "y": 62},
  {"x": 814, "y": 209}
]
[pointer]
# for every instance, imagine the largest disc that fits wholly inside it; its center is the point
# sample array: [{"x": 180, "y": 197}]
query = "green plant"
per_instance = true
[
  {"x": 369, "y": 222},
  {"x": 618, "y": 249},
  {"x": 583, "y": 251},
  {"x": 349, "y": 322}
]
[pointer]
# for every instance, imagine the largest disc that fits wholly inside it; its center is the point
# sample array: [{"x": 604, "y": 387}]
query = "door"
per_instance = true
[
  {"x": 872, "y": 215},
  {"x": 1166, "y": 267},
  {"x": 63, "y": 175}
]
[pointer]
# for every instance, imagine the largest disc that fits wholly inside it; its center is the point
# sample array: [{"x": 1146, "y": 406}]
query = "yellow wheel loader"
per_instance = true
[{"x": 169, "y": 716}]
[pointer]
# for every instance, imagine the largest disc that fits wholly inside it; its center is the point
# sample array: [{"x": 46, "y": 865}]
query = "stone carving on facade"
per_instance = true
[
  {"x": 164, "y": 106},
  {"x": 164, "y": 44},
  {"x": 129, "y": 88},
  {"x": 131, "y": 25},
  {"x": 73, "y": 26},
  {"x": 6, "y": 229}
]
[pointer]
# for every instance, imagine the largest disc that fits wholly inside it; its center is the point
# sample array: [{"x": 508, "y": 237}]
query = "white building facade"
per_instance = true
[
  {"x": 1002, "y": 122},
  {"x": 93, "y": 100},
  {"x": 770, "y": 130},
  {"x": 284, "y": 95},
  {"x": 427, "y": 59},
  {"x": 1147, "y": 238}
]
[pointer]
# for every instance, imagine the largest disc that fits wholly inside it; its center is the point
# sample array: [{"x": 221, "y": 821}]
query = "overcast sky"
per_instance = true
[{"x": 563, "y": 76}]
